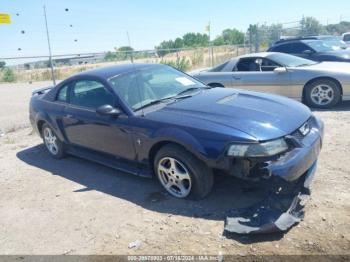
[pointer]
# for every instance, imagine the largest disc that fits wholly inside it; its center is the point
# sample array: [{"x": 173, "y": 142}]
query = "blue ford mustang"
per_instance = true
[{"x": 153, "y": 119}]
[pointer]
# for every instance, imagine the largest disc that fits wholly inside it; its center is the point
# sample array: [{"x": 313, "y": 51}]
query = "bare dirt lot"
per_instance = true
[{"x": 73, "y": 206}]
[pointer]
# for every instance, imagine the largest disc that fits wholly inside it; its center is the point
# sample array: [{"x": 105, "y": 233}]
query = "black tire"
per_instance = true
[
  {"x": 201, "y": 175},
  {"x": 59, "y": 153},
  {"x": 328, "y": 83}
]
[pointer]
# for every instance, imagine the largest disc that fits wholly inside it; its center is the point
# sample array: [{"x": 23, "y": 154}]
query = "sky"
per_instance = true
[{"x": 101, "y": 25}]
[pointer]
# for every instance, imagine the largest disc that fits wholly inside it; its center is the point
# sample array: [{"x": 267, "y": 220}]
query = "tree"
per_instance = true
[
  {"x": 2, "y": 64},
  {"x": 311, "y": 26},
  {"x": 8, "y": 75},
  {"x": 124, "y": 52},
  {"x": 110, "y": 56},
  {"x": 232, "y": 37},
  {"x": 338, "y": 29}
]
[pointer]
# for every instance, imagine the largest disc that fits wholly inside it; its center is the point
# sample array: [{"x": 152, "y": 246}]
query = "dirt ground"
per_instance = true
[{"x": 73, "y": 206}]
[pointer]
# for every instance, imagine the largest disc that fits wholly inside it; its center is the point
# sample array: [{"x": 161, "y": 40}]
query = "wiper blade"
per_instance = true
[
  {"x": 154, "y": 102},
  {"x": 189, "y": 90}
]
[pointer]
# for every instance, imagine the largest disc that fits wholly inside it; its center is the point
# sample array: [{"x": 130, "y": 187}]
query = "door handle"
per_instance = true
[{"x": 237, "y": 77}]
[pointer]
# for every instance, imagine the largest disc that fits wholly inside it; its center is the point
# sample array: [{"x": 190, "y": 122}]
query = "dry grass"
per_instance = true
[{"x": 197, "y": 58}]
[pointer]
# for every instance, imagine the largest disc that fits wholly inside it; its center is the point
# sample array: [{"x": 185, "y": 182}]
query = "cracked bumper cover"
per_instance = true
[{"x": 290, "y": 179}]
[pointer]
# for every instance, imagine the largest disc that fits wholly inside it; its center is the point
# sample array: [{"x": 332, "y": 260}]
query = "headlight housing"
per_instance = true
[{"x": 265, "y": 149}]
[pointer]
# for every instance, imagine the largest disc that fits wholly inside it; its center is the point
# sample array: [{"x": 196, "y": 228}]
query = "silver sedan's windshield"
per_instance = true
[
  {"x": 290, "y": 60},
  {"x": 152, "y": 85}
]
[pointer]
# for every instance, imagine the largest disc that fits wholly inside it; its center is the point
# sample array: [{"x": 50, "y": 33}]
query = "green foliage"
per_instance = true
[
  {"x": 8, "y": 75},
  {"x": 188, "y": 40},
  {"x": 338, "y": 29},
  {"x": 230, "y": 37},
  {"x": 181, "y": 63},
  {"x": 110, "y": 56},
  {"x": 311, "y": 26},
  {"x": 2, "y": 64},
  {"x": 121, "y": 53}
]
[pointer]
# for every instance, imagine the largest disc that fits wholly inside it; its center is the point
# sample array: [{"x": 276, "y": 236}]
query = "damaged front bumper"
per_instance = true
[
  {"x": 278, "y": 212},
  {"x": 288, "y": 178}
]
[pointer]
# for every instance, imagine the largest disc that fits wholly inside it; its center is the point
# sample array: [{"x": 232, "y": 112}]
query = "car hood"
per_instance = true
[
  {"x": 262, "y": 116},
  {"x": 338, "y": 67}
]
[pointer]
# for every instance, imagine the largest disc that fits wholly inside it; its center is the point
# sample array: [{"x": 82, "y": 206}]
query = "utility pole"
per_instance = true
[{"x": 48, "y": 42}]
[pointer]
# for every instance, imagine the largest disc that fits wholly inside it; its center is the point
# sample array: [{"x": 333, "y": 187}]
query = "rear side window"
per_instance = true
[
  {"x": 298, "y": 48},
  {"x": 282, "y": 48},
  {"x": 91, "y": 94},
  {"x": 62, "y": 94}
]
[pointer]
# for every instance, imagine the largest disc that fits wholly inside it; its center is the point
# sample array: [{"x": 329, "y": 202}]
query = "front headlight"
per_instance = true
[{"x": 269, "y": 148}]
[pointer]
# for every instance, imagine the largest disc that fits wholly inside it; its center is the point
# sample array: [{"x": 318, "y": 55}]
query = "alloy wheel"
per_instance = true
[
  {"x": 174, "y": 176},
  {"x": 322, "y": 94},
  {"x": 50, "y": 141}
]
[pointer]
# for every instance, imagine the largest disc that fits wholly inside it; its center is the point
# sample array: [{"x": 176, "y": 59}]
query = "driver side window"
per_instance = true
[
  {"x": 268, "y": 65},
  {"x": 248, "y": 65},
  {"x": 90, "y": 94}
]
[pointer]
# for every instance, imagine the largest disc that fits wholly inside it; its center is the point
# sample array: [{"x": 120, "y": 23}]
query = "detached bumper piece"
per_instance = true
[{"x": 282, "y": 209}]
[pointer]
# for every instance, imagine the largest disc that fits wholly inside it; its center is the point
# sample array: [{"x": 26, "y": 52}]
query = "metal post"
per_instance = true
[
  {"x": 50, "y": 54},
  {"x": 132, "y": 52}
]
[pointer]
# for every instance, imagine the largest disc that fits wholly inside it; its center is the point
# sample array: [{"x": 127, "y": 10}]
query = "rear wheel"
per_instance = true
[
  {"x": 53, "y": 145},
  {"x": 323, "y": 93},
  {"x": 182, "y": 174}
]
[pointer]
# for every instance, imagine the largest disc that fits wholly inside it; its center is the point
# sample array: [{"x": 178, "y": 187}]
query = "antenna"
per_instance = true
[{"x": 137, "y": 77}]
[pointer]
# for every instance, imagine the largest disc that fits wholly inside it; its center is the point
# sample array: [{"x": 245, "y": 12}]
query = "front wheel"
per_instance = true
[
  {"x": 53, "y": 145},
  {"x": 322, "y": 93},
  {"x": 182, "y": 174}
]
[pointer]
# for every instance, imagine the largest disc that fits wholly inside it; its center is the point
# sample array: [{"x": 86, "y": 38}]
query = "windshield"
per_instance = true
[
  {"x": 335, "y": 44},
  {"x": 290, "y": 60},
  {"x": 146, "y": 86},
  {"x": 319, "y": 46}
]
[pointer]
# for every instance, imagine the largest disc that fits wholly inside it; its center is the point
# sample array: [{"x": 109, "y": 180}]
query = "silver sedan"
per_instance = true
[{"x": 318, "y": 84}]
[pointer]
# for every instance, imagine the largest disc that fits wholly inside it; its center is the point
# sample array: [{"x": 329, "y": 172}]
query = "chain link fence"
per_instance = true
[{"x": 37, "y": 68}]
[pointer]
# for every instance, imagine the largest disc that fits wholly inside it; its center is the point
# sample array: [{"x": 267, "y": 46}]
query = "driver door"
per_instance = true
[
  {"x": 257, "y": 74},
  {"x": 85, "y": 128}
]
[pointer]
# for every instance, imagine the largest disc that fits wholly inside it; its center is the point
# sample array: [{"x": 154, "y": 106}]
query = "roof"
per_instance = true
[
  {"x": 261, "y": 54},
  {"x": 110, "y": 71}
]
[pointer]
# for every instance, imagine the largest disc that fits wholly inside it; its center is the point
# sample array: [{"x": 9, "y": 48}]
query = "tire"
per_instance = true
[
  {"x": 322, "y": 93},
  {"x": 174, "y": 163},
  {"x": 52, "y": 143}
]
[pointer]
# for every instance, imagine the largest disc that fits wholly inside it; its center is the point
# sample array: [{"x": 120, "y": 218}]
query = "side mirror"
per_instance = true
[
  {"x": 308, "y": 52},
  {"x": 108, "y": 110},
  {"x": 280, "y": 70}
]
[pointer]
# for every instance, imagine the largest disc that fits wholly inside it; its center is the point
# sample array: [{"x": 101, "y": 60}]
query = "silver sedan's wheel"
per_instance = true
[
  {"x": 322, "y": 94},
  {"x": 50, "y": 140},
  {"x": 174, "y": 176}
]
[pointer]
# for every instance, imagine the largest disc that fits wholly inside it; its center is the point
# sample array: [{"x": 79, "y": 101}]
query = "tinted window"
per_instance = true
[
  {"x": 248, "y": 64},
  {"x": 62, "y": 94},
  {"x": 268, "y": 65},
  {"x": 346, "y": 38},
  {"x": 92, "y": 94},
  {"x": 282, "y": 48},
  {"x": 297, "y": 48}
]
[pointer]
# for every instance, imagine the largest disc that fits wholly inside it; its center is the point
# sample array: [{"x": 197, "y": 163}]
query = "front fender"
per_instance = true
[{"x": 172, "y": 135}]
